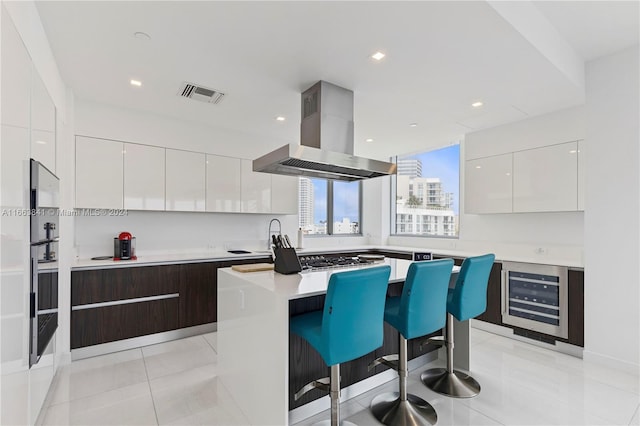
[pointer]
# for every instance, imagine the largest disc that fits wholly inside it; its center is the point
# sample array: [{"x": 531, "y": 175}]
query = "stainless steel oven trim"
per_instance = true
[{"x": 561, "y": 330}]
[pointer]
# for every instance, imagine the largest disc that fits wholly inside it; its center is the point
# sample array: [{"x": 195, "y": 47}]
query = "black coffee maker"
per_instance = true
[{"x": 124, "y": 247}]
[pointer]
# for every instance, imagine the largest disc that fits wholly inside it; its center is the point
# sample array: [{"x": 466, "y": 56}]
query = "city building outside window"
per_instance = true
[
  {"x": 328, "y": 207},
  {"x": 427, "y": 193}
]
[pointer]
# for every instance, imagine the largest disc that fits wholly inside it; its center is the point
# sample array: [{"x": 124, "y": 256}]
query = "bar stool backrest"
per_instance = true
[
  {"x": 469, "y": 297},
  {"x": 423, "y": 304},
  {"x": 353, "y": 316}
]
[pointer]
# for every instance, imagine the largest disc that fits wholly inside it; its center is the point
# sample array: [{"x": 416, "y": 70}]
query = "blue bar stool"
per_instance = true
[
  {"x": 466, "y": 300},
  {"x": 350, "y": 325},
  {"x": 420, "y": 310}
]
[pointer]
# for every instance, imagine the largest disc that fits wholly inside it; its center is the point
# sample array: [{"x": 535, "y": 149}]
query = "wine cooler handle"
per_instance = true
[{"x": 505, "y": 291}]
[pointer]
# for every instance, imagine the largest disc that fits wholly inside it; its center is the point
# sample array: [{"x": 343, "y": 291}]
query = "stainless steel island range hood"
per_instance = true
[{"x": 326, "y": 141}]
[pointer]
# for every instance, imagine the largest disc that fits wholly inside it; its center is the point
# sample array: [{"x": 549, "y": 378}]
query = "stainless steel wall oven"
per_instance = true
[
  {"x": 534, "y": 297},
  {"x": 44, "y": 214}
]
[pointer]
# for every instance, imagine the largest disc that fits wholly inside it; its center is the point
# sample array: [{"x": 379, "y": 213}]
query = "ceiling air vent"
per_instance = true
[{"x": 200, "y": 93}]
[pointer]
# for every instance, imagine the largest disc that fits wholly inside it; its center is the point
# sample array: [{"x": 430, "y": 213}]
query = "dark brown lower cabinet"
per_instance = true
[
  {"x": 120, "y": 303},
  {"x": 110, "y": 323},
  {"x": 198, "y": 294}
]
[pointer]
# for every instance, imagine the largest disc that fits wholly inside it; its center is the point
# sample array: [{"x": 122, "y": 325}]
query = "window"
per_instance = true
[
  {"x": 328, "y": 207},
  {"x": 427, "y": 189}
]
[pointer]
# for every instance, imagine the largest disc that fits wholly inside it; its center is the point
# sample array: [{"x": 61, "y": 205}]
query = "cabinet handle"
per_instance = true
[{"x": 125, "y": 301}]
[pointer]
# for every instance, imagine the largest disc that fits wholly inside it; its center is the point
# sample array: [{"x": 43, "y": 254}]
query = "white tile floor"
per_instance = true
[{"x": 176, "y": 383}]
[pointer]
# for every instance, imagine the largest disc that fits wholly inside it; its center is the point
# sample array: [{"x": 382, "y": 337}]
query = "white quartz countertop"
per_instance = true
[
  {"x": 311, "y": 283},
  {"x": 206, "y": 256}
]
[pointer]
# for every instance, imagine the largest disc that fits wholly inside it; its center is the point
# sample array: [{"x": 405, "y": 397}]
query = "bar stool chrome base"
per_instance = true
[
  {"x": 455, "y": 384},
  {"x": 389, "y": 409}
]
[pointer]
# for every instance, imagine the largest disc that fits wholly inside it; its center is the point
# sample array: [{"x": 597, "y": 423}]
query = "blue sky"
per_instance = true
[{"x": 345, "y": 196}]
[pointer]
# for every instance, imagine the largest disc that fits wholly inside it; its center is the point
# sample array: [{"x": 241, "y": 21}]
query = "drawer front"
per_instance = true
[
  {"x": 104, "y": 285},
  {"x": 110, "y": 323}
]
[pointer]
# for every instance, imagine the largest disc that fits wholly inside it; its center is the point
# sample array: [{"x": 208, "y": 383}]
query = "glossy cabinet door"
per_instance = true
[
  {"x": 581, "y": 173},
  {"x": 43, "y": 124},
  {"x": 488, "y": 184},
  {"x": 284, "y": 194},
  {"x": 144, "y": 177},
  {"x": 255, "y": 189},
  {"x": 185, "y": 181},
  {"x": 99, "y": 173},
  {"x": 546, "y": 179},
  {"x": 43, "y": 110},
  {"x": 15, "y": 75},
  {"x": 43, "y": 148},
  {"x": 223, "y": 184}
]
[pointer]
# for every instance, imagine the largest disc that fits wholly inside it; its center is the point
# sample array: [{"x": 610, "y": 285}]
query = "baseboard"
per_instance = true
[
  {"x": 615, "y": 363},
  {"x": 562, "y": 347}
]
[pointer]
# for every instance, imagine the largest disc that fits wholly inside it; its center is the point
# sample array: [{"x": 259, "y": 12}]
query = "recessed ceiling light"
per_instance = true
[
  {"x": 477, "y": 104},
  {"x": 478, "y": 167},
  {"x": 280, "y": 118},
  {"x": 413, "y": 125},
  {"x": 573, "y": 151},
  {"x": 41, "y": 142},
  {"x": 136, "y": 83},
  {"x": 368, "y": 140},
  {"x": 141, "y": 36},
  {"x": 378, "y": 56}
]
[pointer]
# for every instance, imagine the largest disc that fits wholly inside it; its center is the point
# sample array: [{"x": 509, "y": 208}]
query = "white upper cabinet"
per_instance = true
[
  {"x": 43, "y": 124},
  {"x": 16, "y": 76},
  {"x": 144, "y": 177},
  {"x": 255, "y": 189},
  {"x": 99, "y": 173},
  {"x": 43, "y": 110},
  {"x": 284, "y": 194},
  {"x": 223, "y": 184},
  {"x": 488, "y": 184},
  {"x": 581, "y": 173},
  {"x": 185, "y": 181},
  {"x": 43, "y": 148},
  {"x": 546, "y": 179}
]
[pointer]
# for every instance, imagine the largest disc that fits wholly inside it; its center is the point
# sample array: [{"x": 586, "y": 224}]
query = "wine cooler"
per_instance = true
[{"x": 534, "y": 297}]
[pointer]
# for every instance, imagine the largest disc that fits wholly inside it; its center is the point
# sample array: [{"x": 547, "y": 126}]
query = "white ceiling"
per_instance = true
[{"x": 441, "y": 56}]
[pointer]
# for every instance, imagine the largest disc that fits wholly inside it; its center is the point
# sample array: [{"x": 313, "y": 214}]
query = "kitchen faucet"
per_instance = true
[{"x": 269, "y": 236}]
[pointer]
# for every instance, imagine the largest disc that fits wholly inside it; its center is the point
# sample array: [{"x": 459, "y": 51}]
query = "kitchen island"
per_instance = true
[{"x": 255, "y": 347}]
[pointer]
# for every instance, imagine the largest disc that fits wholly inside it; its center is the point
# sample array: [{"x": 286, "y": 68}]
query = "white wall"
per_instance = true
[
  {"x": 612, "y": 216},
  {"x": 127, "y": 125}
]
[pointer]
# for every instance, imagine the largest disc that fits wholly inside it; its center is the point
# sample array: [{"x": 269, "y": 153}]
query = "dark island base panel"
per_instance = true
[{"x": 306, "y": 365}]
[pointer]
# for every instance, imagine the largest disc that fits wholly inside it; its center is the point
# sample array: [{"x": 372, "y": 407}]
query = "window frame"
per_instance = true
[{"x": 330, "y": 212}]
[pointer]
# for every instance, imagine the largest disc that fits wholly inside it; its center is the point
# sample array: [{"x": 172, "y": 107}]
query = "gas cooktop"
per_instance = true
[{"x": 315, "y": 263}]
